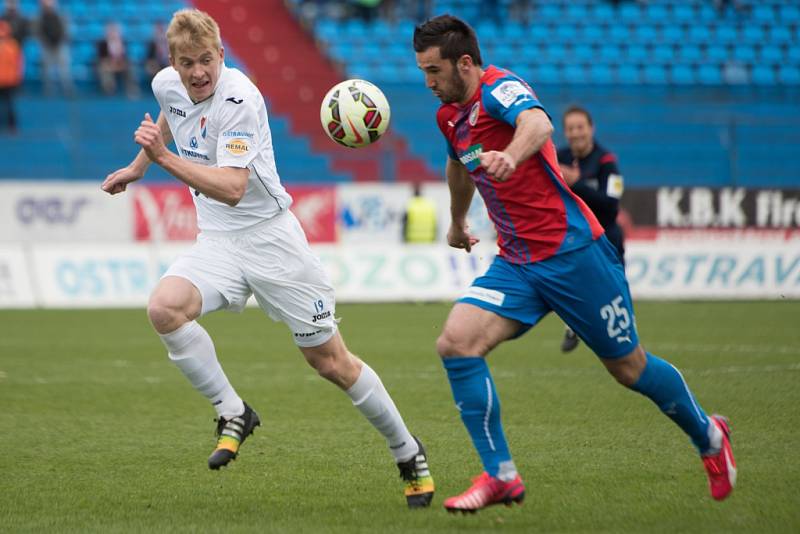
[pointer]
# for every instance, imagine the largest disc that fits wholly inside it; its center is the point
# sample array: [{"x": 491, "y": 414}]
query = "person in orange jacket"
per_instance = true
[{"x": 10, "y": 76}]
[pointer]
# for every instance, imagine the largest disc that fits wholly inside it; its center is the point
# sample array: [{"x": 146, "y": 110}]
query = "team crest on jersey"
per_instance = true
[
  {"x": 471, "y": 157},
  {"x": 511, "y": 93},
  {"x": 203, "y": 129},
  {"x": 237, "y": 147},
  {"x": 473, "y": 113},
  {"x": 193, "y": 142}
]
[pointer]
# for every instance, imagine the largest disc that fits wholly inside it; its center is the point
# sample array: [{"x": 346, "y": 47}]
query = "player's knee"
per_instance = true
[
  {"x": 628, "y": 369},
  {"x": 449, "y": 344},
  {"x": 163, "y": 317}
]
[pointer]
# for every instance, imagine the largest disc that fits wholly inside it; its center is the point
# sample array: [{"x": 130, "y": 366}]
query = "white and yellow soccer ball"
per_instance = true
[{"x": 355, "y": 113}]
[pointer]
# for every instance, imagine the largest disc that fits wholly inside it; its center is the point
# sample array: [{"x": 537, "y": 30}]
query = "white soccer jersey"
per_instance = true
[{"x": 230, "y": 129}]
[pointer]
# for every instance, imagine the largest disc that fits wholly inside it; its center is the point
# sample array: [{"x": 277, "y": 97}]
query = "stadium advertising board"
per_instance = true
[
  {"x": 75, "y": 276},
  {"x": 315, "y": 208},
  {"x": 163, "y": 212},
  {"x": 371, "y": 212},
  {"x": 703, "y": 207},
  {"x": 58, "y": 211},
  {"x": 16, "y": 290}
]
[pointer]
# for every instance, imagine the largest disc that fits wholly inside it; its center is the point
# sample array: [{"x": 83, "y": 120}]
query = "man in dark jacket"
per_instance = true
[{"x": 592, "y": 173}]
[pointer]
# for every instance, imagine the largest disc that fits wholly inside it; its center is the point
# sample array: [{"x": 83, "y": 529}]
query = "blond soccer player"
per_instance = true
[{"x": 249, "y": 244}]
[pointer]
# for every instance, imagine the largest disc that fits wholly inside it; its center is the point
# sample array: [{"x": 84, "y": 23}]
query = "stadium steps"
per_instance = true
[{"x": 289, "y": 69}]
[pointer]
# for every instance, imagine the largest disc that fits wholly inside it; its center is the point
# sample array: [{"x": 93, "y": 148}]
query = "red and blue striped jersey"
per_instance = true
[{"x": 535, "y": 213}]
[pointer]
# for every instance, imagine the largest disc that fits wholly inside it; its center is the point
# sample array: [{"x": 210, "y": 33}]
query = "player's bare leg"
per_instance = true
[
  {"x": 335, "y": 363},
  {"x": 173, "y": 308}
]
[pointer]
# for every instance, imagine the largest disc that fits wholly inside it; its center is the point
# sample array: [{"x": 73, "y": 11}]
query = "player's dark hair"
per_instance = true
[
  {"x": 577, "y": 109},
  {"x": 453, "y": 36}
]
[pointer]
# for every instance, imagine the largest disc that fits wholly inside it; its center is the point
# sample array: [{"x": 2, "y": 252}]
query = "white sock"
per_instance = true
[
  {"x": 191, "y": 349},
  {"x": 372, "y": 400}
]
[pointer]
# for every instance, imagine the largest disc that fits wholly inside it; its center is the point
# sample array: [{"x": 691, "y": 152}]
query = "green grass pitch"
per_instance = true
[{"x": 100, "y": 433}]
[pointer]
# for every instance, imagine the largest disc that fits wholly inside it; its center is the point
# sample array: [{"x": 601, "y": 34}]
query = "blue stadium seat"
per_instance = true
[
  {"x": 545, "y": 73},
  {"x": 657, "y": 13},
  {"x": 793, "y": 54},
  {"x": 664, "y": 54},
  {"x": 789, "y": 74},
  {"x": 619, "y": 33},
  {"x": 564, "y": 33},
  {"x": 574, "y": 74},
  {"x": 717, "y": 54},
  {"x": 583, "y": 53},
  {"x": 600, "y": 73},
  {"x": 780, "y": 34},
  {"x": 576, "y": 12},
  {"x": 789, "y": 14},
  {"x": 555, "y": 52},
  {"x": 549, "y": 12},
  {"x": 630, "y": 12},
  {"x": 672, "y": 34},
  {"x": 655, "y": 74},
  {"x": 594, "y": 33},
  {"x": 539, "y": 33},
  {"x": 637, "y": 53},
  {"x": 771, "y": 54},
  {"x": 699, "y": 34},
  {"x": 644, "y": 33},
  {"x": 610, "y": 53},
  {"x": 628, "y": 74},
  {"x": 689, "y": 53},
  {"x": 601, "y": 12},
  {"x": 752, "y": 34},
  {"x": 682, "y": 75},
  {"x": 763, "y": 75},
  {"x": 709, "y": 75},
  {"x": 744, "y": 53},
  {"x": 764, "y": 14},
  {"x": 683, "y": 13},
  {"x": 726, "y": 34}
]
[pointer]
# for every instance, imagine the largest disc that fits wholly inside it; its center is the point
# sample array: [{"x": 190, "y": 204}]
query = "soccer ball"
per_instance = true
[{"x": 354, "y": 113}]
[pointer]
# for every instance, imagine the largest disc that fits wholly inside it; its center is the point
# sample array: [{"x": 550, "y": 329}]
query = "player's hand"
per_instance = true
[
  {"x": 458, "y": 237},
  {"x": 148, "y": 136},
  {"x": 571, "y": 173},
  {"x": 118, "y": 181},
  {"x": 498, "y": 165}
]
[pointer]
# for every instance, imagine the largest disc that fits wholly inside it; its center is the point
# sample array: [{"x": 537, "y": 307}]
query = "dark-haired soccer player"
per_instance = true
[
  {"x": 553, "y": 257},
  {"x": 592, "y": 173}
]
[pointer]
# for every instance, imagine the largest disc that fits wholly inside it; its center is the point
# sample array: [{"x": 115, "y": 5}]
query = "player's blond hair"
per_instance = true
[{"x": 191, "y": 29}]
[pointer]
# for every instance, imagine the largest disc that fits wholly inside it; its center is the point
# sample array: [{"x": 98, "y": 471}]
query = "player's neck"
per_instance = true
[{"x": 472, "y": 86}]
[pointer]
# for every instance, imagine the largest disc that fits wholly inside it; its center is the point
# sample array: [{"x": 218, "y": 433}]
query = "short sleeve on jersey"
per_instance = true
[
  {"x": 238, "y": 140},
  {"x": 506, "y": 98}
]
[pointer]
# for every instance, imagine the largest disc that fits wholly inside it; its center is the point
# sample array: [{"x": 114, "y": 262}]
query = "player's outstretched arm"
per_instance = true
[
  {"x": 225, "y": 184},
  {"x": 462, "y": 189},
  {"x": 533, "y": 129},
  {"x": 118, "y": 181}
]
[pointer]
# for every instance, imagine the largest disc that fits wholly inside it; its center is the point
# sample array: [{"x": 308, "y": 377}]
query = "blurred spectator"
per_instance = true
[
  {"x": 10, "y": 77},
  {"x": 113, "y": 66},
  {"x": 157, "y": 51},
  {"x": 52, "y": 31},
  {"x": 419, "y": 220},
  {"x": 20, "y": 27},
  {"x": 366, "y": 9},
  {"x": 738, "y": 6}
]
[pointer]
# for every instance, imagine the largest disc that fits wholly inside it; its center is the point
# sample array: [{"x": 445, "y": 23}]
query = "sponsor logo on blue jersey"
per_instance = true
[{"x": 470, "y": 157}]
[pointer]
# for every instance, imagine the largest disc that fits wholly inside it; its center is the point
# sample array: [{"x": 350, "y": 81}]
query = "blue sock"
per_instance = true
[
  {"x": 665, "y": 386},
  {"x": 476, "y": 399}
]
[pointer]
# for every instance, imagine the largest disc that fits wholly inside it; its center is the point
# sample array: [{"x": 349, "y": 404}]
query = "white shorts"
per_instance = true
[{"x": 272, "y": 261}]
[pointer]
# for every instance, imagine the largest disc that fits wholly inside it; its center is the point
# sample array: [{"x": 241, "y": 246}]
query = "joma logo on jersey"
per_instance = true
[
  {"x": 178, "y": 112},
  {"x": 470, "y": 157},
  {"x": 237, "y": 147},
  {"x": 320, "y": 316}
]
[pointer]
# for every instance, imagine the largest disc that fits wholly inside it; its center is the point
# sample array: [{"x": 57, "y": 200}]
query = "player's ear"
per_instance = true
[{"x": 222, "y": 53}]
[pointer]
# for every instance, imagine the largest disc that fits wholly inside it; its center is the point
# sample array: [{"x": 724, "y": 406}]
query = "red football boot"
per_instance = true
[{"x": 487, "y": 490}]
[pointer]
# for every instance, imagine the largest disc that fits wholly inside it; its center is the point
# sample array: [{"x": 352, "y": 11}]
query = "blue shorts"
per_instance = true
[{"x": 585, "y": 287}]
